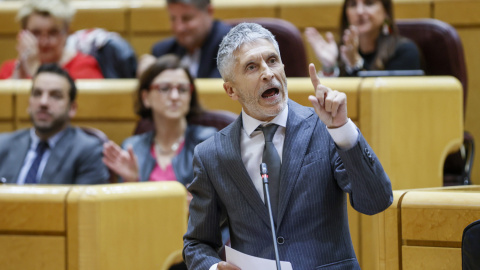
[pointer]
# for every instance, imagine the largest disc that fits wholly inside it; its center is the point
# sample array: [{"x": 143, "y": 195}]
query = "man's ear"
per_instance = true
[
  {"x": 73, "y": 109},
  {"x": 210, "y": 10},
  {"x": 230, "y": 90}
]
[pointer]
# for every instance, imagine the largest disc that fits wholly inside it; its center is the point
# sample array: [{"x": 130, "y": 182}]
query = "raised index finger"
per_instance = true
[{"x": 313, "y": 75}]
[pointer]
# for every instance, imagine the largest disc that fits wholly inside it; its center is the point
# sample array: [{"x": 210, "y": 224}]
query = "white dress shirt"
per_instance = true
[
  {"x": 252, "y": 143},
  {"x": 192, "y": 61}
]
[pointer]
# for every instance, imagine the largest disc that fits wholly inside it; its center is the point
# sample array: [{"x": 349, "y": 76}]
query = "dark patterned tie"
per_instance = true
[
  {"x": 272, "y": 159},
  {"x": 31, "y": 177}
]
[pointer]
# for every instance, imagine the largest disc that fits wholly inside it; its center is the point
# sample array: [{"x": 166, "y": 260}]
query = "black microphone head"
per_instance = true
[{"x": 263, "y": 169}]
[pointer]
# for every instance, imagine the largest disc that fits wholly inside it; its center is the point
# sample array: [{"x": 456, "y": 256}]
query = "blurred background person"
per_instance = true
[
  {"x": 197, "y": 36},
  {"x": 45, "y": 26},
  {"x": 166, "y": 94},
  {"x": 369, "y": 41},
  {"x": 52, "y": 151}
]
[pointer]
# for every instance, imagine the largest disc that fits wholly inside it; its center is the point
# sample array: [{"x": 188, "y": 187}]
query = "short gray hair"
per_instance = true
[
  {"x": 198, "y": 4},
  {"x": 60, "y": 9},
  {"x": 239, "y": 35}
]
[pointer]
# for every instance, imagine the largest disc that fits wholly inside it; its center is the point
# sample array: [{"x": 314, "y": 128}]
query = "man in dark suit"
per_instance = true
[
  {"x": 52, "y": 152},
  {"x": 323, "y": 157},
  {"x": 196, "y": 37}
]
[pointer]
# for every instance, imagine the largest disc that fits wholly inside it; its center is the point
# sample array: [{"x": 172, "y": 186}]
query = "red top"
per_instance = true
[
  {"x": 81, "y": 66},
  {"x": 163, "y": 175}
]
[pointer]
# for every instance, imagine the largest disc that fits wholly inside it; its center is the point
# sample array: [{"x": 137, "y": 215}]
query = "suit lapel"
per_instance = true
[
  {"x": 229, "y": 152},
  {"x": 16, "y": 155},
  {"x": 57, "y": 156},
  {"x": 300, "y": 124}
]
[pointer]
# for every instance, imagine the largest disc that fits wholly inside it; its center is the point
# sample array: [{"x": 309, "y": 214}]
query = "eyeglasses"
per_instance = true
[{"x": 167, "y": 88}]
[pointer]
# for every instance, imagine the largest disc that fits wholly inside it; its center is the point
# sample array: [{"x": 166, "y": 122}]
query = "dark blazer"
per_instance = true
[
  {"x": 182, "y": 163},
  {"x": 208, "y": 59},
  {"x": 312, "y": 224},
  {"x": 75, "y": 159}
]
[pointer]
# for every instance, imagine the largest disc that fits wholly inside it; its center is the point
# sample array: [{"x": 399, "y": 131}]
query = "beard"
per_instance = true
[{"x": 53, "y": 127}]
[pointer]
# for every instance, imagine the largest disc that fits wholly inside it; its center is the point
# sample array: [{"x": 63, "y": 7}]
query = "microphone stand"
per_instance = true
[{"x": 264, "y": 174}]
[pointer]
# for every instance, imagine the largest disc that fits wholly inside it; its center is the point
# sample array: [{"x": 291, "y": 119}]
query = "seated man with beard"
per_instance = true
[{"x": 51, "y": 152}]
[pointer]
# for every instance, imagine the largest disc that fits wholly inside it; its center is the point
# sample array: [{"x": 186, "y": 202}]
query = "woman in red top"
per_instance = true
[{"x": 45, "y": 25}]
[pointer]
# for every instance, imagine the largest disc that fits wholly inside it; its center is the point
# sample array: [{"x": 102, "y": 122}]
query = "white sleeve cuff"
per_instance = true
[
  {"x": 345, "y": 137},
  {"x": 213, "y": 267}
]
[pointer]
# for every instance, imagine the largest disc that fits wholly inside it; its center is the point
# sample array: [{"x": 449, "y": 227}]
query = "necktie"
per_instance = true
[
  {"x": 31, "y": 177},
  {"x": 272, "y": 159}
]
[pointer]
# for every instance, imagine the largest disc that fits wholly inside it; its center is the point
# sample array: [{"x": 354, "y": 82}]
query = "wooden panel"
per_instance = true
[
  {"x": 6, "y": 126},
  {"x": 457, "y": 13},
  {"x": 8, "y": 12},
  {"x": 32, "y": 208},
  {"x": 32, "y": 252},
  {"x": 430, "y": 258},
  {"x": 112, "y": 226},
  {"x": 470, "y": 39},
  {"x": 149, "y": 16},
  {"x": 94, "y": 13},
  {"x": 412, "y": 9},
  {"x": 6, "y": 104},
  {"x": 438, "y": 216},
  {"x": 319, "y": 14},
  {"x": 405, "y": 121},
  {"x": 8, "y": 43}
]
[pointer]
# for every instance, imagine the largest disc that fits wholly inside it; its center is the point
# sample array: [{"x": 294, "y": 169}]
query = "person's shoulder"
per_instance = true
[
  {"x": 82, "y": 139},
  {"x": 164, "y": 46},
  {"x": 6, "y": 137},
  {"x": 142, "y": 138},
  {"x": 406, "y": 44},
  {"x": 221, "y": 26}
]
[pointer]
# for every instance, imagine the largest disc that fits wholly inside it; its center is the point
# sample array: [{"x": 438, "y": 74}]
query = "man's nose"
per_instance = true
[
  {"x": 267, "y": 73},
  {"x": 44, "y": 99}
]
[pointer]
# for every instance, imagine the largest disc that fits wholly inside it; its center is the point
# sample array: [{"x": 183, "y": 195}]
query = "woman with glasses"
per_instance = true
[
  {"x": 166, "y": 94},
  {"x": 369, "y": 41},
  {"x": 45, "y": 26}
]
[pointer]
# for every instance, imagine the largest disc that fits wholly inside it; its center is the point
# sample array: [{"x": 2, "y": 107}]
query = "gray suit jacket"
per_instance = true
[
  {"x": 75, "y": 159},
  {"x": 182, "y": 163},
  {"x": 312, "y": 226}
]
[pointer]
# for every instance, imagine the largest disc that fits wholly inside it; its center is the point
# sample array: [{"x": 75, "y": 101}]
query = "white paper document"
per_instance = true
[{"x": 247, "y": 262}]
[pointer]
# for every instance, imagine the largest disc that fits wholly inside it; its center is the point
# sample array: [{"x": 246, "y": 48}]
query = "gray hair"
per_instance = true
[
  {"x": 60, "y": 9},
  {"x": 198, "y": 4},
  {"x": 239, "y": 35}
]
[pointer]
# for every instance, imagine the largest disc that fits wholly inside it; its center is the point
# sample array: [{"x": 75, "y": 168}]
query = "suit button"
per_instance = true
[
  {"x": 280, "y": 240},
  {"x": 3, "y": 180}
]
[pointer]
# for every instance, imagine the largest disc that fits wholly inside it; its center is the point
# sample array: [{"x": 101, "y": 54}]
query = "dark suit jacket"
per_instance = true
[
  {"x": 208, "y": 59},
  {"x": 75, "y": 159},
  {"x": 182, "y": 163},
  {"x": 312, "y": 218}
]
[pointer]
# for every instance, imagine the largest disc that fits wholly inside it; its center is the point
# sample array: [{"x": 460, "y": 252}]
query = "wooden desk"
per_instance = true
[
  {"x": 423, "y": 228},
  {"x": 116, "y": 226}
]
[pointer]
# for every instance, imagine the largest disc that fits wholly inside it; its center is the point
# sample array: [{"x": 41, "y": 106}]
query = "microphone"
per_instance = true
[{"x": 266, "y": 194}]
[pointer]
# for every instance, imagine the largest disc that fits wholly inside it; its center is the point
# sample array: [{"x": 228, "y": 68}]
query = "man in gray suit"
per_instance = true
[
  {"x": 52, "y": 152},
  {"x": 323, "y": 157}
]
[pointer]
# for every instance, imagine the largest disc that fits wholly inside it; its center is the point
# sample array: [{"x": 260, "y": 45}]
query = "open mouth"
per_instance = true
[{"x": 270, "y": 93}]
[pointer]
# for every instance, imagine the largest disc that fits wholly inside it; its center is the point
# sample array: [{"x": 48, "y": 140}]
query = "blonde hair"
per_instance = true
[{"x": 60, "y": 9}]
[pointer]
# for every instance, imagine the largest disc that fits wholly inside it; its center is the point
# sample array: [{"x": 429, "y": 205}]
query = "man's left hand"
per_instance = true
[{"x": 330, "y": 105}]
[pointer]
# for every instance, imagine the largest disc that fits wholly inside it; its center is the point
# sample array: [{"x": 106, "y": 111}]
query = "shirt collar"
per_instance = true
[
  {"x": 250, "y": 123},
  {"x": 52, "y": 141}
]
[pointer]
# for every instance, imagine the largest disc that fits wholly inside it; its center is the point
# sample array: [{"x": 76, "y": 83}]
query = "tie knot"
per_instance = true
[
  {"x": 269, "y": 131},
  {"x": 42, "y": 146}
]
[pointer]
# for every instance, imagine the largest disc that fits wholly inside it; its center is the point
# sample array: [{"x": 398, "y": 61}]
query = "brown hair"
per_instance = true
[{"x": 168, "y": 61}]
